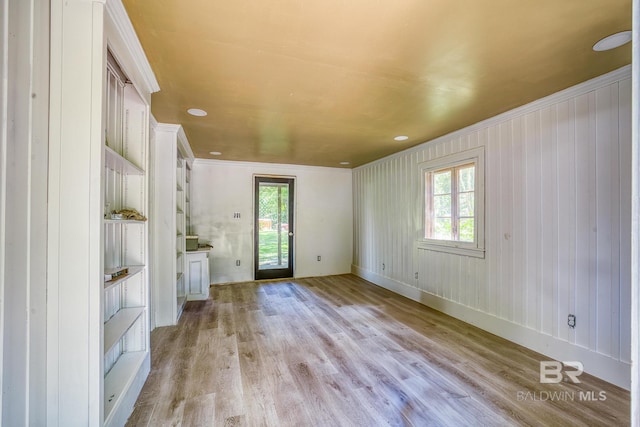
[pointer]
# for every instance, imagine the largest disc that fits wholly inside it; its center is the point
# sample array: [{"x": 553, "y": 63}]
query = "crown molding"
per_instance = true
[
  {"x": 120, "y": 18},
  {"x": 268, "y": 166},
  {"x": 185, "y": 147}
]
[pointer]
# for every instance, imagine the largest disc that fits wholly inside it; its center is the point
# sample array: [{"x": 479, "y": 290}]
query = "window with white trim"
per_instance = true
[{"x": 453, "y": 219}]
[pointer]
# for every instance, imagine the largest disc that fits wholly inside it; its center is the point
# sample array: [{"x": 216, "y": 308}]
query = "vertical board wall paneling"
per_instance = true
[
  {"x": 624, "y": 298},
  {"x": 593, "y": 250},
  {"x": 533, "y": 221},
  {"x": 493, "y": 232},
  {"x": 605, "y": 219},
  {"x": 557, "y": 215},
  {"x": 517, "y": 216},
  {"x": 507, "y": 231},
  {"x": 582, "y": 221},
  {"x": 565, "y": 201}
]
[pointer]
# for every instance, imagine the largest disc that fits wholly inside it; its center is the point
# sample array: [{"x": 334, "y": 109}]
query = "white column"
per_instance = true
[{"x": 74, "y": 276}]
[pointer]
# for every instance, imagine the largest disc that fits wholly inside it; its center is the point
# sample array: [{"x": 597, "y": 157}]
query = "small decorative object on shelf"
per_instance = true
[
  {"x": 130, "y": 214},
  {"x": 115, "y": 273}
]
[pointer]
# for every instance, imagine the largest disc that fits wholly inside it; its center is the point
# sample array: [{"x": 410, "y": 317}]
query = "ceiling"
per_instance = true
[{"x": 323, "y": 82}]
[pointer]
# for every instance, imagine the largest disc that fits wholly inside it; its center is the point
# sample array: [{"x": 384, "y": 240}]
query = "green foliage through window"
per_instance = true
[{"x": 451, "y": 203}]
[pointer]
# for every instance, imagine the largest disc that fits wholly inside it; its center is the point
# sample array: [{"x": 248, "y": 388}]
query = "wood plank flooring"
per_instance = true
[{"x": 339, "y": 351}]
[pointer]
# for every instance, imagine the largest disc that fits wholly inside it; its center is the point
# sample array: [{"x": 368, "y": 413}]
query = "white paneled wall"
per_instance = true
[
  {"x": 557, "y": 225},
  {"x": 24, "y": 127}
]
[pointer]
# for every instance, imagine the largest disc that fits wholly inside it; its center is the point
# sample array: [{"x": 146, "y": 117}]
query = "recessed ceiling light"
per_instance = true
[
  {"x": 215, "y": 153},
  {"x": 613, "y": 41},
  {"x": 197, "y": 112},
  {"x": 401, "y": 138},
  {"x": 345, "y": 163}
]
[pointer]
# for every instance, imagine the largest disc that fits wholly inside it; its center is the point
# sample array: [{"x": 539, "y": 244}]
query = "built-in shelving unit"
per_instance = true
[
  {"x": 181, "y": 292},
  {"x": 187, "y": 198},
  {"x": 126, "y": 299},
  {"x": 172, "y": 157},
  {"x": 97, "y": 330}
]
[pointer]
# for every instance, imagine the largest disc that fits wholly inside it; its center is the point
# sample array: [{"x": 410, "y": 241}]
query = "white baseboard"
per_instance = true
[{"x": 598, "y": 365}]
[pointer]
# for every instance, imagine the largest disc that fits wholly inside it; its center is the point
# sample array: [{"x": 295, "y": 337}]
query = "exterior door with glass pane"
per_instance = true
[{"x": 273, "y": 229}]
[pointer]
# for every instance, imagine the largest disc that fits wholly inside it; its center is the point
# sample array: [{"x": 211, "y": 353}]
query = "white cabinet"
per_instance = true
[
  {"x": 125, "y": 300},
  {"x": 171, "y": 157},
  {"x": 197, "y": 275}
]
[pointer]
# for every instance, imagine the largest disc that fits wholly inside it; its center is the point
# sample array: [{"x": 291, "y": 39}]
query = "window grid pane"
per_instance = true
[
  {"x": 442, "y": 182},
  {"x": 451, "y": 207}
]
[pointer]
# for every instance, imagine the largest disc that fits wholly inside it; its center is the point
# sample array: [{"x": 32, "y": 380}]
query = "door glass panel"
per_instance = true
[{"x": 273, "y": 226}]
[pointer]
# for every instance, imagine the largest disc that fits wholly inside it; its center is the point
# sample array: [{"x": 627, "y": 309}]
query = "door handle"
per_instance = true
[{"x": 291, "y": 234}]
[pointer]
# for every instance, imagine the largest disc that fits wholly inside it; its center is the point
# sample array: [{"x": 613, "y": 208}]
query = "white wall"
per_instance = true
[
  {"x": 557, "y": 225},
  {"x": 24, "y": 36},
  {"x": 323, "y": 209}
]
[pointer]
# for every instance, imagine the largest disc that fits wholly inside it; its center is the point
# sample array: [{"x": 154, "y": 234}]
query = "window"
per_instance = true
[{"x": 454, "y": 203}]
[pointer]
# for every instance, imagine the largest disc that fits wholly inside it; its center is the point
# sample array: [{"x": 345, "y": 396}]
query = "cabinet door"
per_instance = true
[{"x": 198, "y": 276}]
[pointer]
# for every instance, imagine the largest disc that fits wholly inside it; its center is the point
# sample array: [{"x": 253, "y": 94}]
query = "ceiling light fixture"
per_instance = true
[
  {"x": 345, "y": 163},
  {"x": 215, "y": 153},
  {"x": 197, "y": 112},
  {"x": 401, "y": 138},
  {"x": 613, "y": 41}
]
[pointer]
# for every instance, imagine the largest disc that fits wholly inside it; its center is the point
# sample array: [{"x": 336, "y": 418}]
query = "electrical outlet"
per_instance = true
[
  {"x": 416, "y": 275},
  {"x": 383, "y": 266},
  {"x": 571, "y": 321},
  {"x": 237, "y": 263},
  {"x": 319, "y": 258}
]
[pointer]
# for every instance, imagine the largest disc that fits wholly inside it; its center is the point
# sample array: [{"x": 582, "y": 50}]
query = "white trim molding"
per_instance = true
[
  {"x": 475, "y": 248},
  {"x": 120, "y": 18}
]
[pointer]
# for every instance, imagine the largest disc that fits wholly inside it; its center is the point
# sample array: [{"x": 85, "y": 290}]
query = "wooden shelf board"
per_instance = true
[
  {"x": 120, "y": 378},
  {"x": 133, "y": 270},
  {"x": 119, "y": 324},
  {"x": 123, "y": 221},
  {"x": 120, "y": 164}
]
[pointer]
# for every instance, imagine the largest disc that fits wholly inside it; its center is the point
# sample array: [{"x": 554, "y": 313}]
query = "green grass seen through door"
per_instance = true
[{"x": 268, "y": 249}]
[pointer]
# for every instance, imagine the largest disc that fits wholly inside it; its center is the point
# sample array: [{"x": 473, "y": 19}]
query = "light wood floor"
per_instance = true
[{"x": 339, "y": 351}]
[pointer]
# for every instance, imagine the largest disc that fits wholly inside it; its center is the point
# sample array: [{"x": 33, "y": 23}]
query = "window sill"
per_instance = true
[{"x": 450, "y": 247}]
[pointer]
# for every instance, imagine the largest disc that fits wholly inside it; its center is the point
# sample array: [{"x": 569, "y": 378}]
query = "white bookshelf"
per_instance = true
[
  {"x": 125, "y": 331},
  {"x": 181, "y": 288},
  {"x": 172, "y": 158}
]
